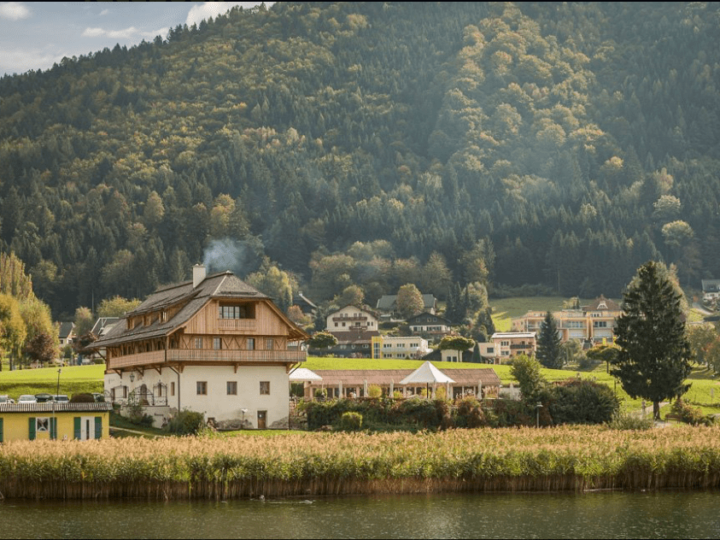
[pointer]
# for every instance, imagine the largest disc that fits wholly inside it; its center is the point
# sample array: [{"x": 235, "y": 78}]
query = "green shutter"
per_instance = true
[
  {"x": 31, "y": 428},
  {"x": 53, "y": 428},
  {"x": 98, "y": 427},
  {"x": 78, "y": 429},
  {"x": 1, "y": 431}
]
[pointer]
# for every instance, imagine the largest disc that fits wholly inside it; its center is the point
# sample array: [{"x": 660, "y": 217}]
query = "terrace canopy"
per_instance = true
[
  {"x": 304, "y": 374},
  {"x": 428, "y": 374}
]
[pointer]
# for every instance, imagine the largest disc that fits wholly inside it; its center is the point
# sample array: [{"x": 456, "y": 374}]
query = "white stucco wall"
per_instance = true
[{"x": 217, "y": 404}]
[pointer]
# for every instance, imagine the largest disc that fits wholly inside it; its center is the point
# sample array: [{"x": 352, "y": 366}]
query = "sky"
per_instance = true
[{"x": 35, "y": 35}]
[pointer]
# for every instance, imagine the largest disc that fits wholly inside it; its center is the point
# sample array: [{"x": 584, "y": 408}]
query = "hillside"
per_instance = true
[{"x": 373, "y": 144}]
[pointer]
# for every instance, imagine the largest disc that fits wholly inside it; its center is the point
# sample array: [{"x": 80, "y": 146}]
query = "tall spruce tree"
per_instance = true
[
  {"x": 654, "y": 357},
  {"x": 548, "y": 351}
]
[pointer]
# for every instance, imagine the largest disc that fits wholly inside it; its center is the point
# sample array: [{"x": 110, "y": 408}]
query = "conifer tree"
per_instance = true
[
  {"x": 548, "y": 351},
  {"x": 654, "y": 357}
]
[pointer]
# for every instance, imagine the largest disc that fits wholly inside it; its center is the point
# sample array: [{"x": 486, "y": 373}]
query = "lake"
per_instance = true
[{"x": 667, "y": 514}]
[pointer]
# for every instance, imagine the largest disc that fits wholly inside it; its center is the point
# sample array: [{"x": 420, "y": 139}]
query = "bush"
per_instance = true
[
  {"x": 470, "y": 414},
  {"x": 582, "y": 402},
  {"x": 351, "y": 421},
  {"x": 186, "y": 423},
  {"x": 82, "y": 398},
  {"x": 689, "y": 414},
  {"x": 629, "y": 422},
  {"x": 374, "y": 391}
]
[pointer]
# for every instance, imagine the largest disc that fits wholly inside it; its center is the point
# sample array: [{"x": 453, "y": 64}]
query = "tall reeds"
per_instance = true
[{"x": 565, "y": 458}]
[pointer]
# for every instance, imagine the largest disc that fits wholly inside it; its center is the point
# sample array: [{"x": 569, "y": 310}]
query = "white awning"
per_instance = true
[
  {"x": 304, "y": 374},
  {"x": 427, "y": 374}
]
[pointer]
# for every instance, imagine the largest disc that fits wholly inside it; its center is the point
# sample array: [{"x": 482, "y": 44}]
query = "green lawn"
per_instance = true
[
  {"x": 73, "y": 380},
  {"x": 504, "y": 309}
]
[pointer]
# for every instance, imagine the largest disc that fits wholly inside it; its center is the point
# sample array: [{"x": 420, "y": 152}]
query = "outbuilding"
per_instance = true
[{"x": 51, "y": 421}]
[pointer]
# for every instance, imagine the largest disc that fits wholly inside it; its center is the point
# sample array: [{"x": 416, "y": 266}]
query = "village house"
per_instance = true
[
  {"x": 66, "y": 333},
  {"x": 592, "y": 324},
  {"x": 711, "y": 289},
  {"x": 399, "y": 347},
  {"x": 387, "y": 304},
  {"x": 353, "y": 327},
  {"x": 54, "y": 421},
  {"x": 429, "y": 324},
  {"x": 213, "y": 345}
]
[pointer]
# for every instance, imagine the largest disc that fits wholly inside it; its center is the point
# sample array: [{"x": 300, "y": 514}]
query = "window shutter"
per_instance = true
[
  {"x": 53, "y": 428},
  {"x": 31, "y": 430},
  {"x": 98, "y": 427},
  {"x": 77, "y": 428}
]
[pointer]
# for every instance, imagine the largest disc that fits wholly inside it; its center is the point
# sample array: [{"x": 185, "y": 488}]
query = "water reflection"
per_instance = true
[{"x": 590, "y": 515}]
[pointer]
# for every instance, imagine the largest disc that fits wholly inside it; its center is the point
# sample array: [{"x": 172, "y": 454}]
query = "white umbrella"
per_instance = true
[
  {"x": 365, "y": 387},
  {"x": 304, "y": 374},
  {"x": 340, "y": 389},
  {"x": 427, "y": 374}
]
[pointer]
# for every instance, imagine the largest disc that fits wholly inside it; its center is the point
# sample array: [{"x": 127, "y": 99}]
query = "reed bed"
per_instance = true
[{"x": 574, "y": 458}]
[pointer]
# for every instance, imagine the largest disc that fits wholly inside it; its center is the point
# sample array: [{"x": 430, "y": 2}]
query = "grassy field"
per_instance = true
[
  {"x": 505, "y": 309},
  {"x": 73, "y": 380}
]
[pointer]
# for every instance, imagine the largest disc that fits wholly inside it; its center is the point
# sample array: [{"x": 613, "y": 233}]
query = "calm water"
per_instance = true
[{"x": 591, "y": 515}]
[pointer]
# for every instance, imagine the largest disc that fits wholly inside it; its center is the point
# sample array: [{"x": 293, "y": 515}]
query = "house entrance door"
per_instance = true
[{"x": 262, "y": 419}]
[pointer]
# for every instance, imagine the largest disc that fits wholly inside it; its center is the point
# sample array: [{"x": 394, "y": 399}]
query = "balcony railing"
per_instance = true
[
  {"x": 237, "y": 324},
  {"x": 157, "y": 358}
]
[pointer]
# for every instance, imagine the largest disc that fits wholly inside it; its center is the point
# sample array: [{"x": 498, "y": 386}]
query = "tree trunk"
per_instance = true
[{"x": 656, "y": 410}]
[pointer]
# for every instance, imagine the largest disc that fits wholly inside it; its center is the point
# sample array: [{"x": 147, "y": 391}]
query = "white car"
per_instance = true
[
  {"x": 61, "y": 399},
  {"x": 5, "y": 400},
  {"x": 27, "y": 399}
]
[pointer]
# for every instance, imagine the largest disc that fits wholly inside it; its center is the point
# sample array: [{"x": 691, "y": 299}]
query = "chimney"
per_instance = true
[{"x": 198, "y": 274}]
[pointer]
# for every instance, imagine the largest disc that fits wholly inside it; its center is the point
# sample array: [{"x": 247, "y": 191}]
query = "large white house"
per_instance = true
[{"x": 213, "y": 345}]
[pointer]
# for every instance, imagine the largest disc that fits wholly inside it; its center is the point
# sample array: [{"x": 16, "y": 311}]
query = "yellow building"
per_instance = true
[{"x": 54, "y": 421}]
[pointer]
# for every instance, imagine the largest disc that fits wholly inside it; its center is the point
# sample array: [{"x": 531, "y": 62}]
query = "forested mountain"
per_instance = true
[{"x": 374, "y": 144}]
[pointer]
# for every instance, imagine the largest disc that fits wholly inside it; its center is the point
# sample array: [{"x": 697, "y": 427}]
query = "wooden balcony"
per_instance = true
[
  {"x": 156, "y": 358},
  {"x": 241, "y": 325}
]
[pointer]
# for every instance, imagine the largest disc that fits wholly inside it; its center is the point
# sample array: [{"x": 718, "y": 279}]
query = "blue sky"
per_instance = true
[{"x": 35, "y": 35}]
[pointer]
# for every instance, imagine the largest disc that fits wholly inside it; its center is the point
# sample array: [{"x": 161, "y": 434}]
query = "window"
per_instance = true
[
  {"x": 198, "y": 343},
  {"x": 217, "y": 343},
  {"x": 202, "y": 388},
  {"x": 250, "y": 344},
  {"x": 269, "y": 344},
  {"x": 235, "y": 312},
  {"x": 172, "y": 388},
  {"x": 504, "y": 343},
  {"x": 599, "y": 324},
  {"x": 163, "y": 316},
  {"x": 491, "y": 350},
  {"x": 42, "y": 425},
  {"x": 264, "y": 388},
  {"x": 232, "y": 388}
]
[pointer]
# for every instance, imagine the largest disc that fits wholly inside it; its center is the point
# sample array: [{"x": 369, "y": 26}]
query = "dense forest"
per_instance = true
[{"x": 373, "y": 144}]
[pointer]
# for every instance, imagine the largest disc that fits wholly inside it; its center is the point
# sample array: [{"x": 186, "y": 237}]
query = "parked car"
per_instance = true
[
  {"x": 25, "y": 398},
  {"x": 6, "y": 400},
  {"x": 99, "y": 398},
  {"x": 43, "y": 398},
  {"x": 61, "y": 398}
]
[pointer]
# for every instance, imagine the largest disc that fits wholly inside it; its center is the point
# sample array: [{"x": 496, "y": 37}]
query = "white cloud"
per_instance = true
[
  {"x": 21, "y": 60},
  {"x": 126, "y": 33},
  {"x": 13, "y": 11},
  {"x": 93, "y": 32},
  {"x": 212, "y": 9},
  {"x": 104, "y": 12}
]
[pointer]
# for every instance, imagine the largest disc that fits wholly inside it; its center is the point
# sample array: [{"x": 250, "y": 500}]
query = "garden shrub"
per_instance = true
[
  {"x": 582, "y": 402},
  {"x": 689, "y": 414},
  {"x": 469, "y": 413},
  {"x": 351, "y": 421},
  {"x": 630, "y": 422},
  {"x": 186, "y": 422},
  {"x": 374, "y": 391}
]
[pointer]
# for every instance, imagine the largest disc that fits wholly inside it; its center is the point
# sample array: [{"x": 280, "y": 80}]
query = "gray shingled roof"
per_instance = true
[
  {"x": 65, "y": 329},
  {"x": 388, "y": 302},
  {"x": 57, "y": 407},
  {"x": 224, "y": 285}
]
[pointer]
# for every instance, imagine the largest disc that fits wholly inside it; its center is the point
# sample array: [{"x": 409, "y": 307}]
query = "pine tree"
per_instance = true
[
  {"x": 654, "y": 357},
  {"x": 548, "y": 351}
]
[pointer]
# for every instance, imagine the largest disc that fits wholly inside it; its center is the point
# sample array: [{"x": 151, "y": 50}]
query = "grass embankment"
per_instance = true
[
  {"x": 526, "y": 459},
  {"x": 73, "y": 380}
]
